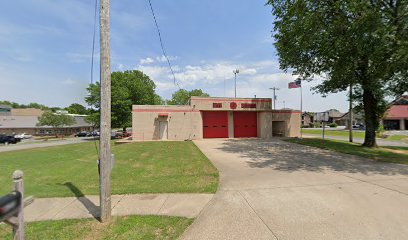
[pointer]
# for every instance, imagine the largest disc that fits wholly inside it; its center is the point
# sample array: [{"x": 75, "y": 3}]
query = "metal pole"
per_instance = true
[
  {"x": 351, "y": 113},
  {"x": 274, "y": 96},
  {"x": 105, "y": 112},
  {"x": 235, "y": 73},
  {"x": 301, "y": 109},
  {"x": 18, "y": 186}
]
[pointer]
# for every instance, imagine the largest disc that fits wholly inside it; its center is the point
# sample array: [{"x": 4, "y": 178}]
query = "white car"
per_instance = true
[{"x": 23, "y": 136}]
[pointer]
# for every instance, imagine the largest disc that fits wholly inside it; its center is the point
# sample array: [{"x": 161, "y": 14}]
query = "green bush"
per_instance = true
[
  {"x": 317, "y": 125},
  {"x": 380, "y": 131},
  {"x": 333, "y": 125}
]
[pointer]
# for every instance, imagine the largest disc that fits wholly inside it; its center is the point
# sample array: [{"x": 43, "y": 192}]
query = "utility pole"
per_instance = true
[
  {"x": 274, "y": 96},
  {"x": 236, "y": 71},
  {"x": 105, "y": 112},
  {"x": 351, "y": 113},
  {"x": 301, "y": 108}
]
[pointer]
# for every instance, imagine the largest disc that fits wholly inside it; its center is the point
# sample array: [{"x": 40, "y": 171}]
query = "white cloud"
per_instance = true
[
  {"x": 255, "y": 78},
  {"x": 146, "y": 60},
  {"x": 162, "y": 58},
  {"x": 120, "y": 67}
]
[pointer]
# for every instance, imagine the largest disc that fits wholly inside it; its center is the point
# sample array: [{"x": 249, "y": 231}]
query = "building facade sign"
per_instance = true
[{"x": 248, "y": 105}]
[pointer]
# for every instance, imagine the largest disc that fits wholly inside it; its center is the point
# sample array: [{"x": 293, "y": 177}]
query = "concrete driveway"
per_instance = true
[{"x": 278, "y": 190}]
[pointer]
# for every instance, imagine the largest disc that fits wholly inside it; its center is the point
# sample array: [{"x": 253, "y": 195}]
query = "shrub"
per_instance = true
[
  {"x": 333, "y": 125},
  {"x": 316, "y": 125}
]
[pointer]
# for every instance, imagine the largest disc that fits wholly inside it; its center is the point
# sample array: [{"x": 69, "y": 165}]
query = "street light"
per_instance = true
[{"x": 236, "y": 71}]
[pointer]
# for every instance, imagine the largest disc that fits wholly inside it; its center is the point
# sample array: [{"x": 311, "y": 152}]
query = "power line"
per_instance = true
[
  {"x": 93, "y": 40},
  {"x": 92, "y": 63},
  {"x": 162, "y": 45}
]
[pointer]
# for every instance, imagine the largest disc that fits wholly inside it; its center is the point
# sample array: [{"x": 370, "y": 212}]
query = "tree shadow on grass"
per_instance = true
[
  {"x": 289, "y": 157},
  {"x": 88, "y": 204}
]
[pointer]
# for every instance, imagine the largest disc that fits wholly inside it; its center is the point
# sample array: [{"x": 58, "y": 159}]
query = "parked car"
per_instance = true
[
  {"x": 81, "y": 134},
  {"x": 359, "y": 127},
  {"x": 122, "y": 134},
  {"x": 94, "y": 134},
  {"x": 8, "y": 139},
  {"x": 23, "y": 136}
]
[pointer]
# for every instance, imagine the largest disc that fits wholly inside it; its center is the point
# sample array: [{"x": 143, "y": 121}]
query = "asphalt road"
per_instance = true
[
  {"x": 279, "y": 190},
  {"x": 39, "y": 144}
]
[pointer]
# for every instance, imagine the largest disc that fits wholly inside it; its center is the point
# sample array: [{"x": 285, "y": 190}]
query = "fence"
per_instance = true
[{"x": 12, "y": 206}]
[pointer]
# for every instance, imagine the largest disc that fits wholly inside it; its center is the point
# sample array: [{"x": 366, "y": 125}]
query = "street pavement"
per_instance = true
[
  {"x": 173, "y": 204},
  {"x": 380, "y": 142},
  {"x": 39, "y": 144},
  {"x": 272, "y": 189}
]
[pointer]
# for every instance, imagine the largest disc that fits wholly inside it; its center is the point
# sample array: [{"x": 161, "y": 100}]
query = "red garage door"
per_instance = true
[
  {"x": 215, "y": 124},
  {"x": 245, "y": 124}
]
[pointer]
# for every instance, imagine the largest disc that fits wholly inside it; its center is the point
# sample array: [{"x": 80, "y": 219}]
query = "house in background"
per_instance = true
[
  {"x": 24, "y": 120},
  {"x": 308, "y": 119},
  {"x": 358, "y": 118},
  {"x": 335, "y": 116},
  {"x": 396, "y": 117}
]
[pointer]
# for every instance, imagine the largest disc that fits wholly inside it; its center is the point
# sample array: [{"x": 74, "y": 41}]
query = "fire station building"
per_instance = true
[{"x": 209, "y": 117}]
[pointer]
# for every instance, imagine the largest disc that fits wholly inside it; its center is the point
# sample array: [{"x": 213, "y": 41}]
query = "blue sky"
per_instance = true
[{"x": 45, "y": 52}]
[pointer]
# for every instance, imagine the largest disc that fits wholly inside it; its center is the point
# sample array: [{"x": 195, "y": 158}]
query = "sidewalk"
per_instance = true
[{"x": 177, "y": 204}]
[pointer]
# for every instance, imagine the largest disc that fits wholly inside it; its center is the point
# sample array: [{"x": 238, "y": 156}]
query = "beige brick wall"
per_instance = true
[
  {"x": 265, "y": 125},
  {"x": 286, "y": 123},
  {"x": 185, "y": 122},
  {"x": 182, "y": 122},
  {"x": 231, "y": 124}
]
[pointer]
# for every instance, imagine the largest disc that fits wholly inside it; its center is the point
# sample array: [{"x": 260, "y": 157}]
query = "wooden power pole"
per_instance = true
[{"x": 105, "y": 118}]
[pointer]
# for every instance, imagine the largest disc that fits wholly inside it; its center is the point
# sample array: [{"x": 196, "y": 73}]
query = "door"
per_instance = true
[
  {"x": 245, "y": 124},
  {"x": 163, "y": 130},
  {"x": 215, "y": 124}
]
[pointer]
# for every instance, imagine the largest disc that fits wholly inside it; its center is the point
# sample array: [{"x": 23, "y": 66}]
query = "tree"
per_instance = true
[
  {"x": 182, "y": 96},
  {"x": 49, "y": 118},
  {"x": 76, "y": 108},
  {"x": 128, "y": 88},
  {"x": 30, "y": 105},
  {"x": 359, "y": 42}
]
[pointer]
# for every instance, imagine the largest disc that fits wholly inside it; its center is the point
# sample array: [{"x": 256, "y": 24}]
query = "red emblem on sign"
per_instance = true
[{"x": 233, "y": 105}]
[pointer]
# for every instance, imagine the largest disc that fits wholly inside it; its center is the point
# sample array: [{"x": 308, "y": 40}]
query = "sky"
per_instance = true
[{"x": 46, "y": 50}]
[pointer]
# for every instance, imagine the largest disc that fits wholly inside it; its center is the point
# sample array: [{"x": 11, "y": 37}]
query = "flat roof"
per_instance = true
[{"x": 229, "y": 98}]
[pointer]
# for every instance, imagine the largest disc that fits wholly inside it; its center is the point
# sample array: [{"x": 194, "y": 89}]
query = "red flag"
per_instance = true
[{"x": 294, "y": 85}]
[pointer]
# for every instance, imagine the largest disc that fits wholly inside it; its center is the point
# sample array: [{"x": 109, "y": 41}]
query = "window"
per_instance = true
[{"x": 217, "y": 105}]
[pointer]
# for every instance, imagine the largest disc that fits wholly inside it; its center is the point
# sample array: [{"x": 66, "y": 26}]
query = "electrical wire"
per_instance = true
[
  {"x": 93, "y": 40},
  {"x": 92, "y": 63},
  {"x": 162, "y": 45}
]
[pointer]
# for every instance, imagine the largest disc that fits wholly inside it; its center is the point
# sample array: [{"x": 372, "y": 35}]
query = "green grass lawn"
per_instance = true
[
  {"x": 397, "y": 138},
  {"x": 345, "y": 133},
  {"x": 338, "y": 133},
  {"x": 141, "y": 167},
  {"x": 385, "y": 154},
  {"x": 132, "y": 227}
]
